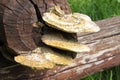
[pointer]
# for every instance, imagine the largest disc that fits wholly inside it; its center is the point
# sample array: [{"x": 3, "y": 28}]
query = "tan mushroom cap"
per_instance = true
[
  {"x": 71, "y": 23},
  {"x": 56, "y": 57},
  {"x": 90, "y": 26},
  {"x": 42, "y": 58},
  {"x": 57, "y": 41},
  {"x": 34, "y": 61},
  {"x": 57, "y": 10}
]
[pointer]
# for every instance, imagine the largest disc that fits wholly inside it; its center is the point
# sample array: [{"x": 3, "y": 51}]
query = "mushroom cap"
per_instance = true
[
  {"x": 42, "y": 58},
  {"x": 56, "y": 57},
  {"x": 34, "y": 61},
  {"x": 90, "y": 26},
  {"x": 71, "y": 23},
  {"x": 58, "y": 41},
  {"x": 57, "y": 10}
]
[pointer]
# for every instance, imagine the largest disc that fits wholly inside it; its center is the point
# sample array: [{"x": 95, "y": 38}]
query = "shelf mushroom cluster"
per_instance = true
[{"x": 44, "y": 57}]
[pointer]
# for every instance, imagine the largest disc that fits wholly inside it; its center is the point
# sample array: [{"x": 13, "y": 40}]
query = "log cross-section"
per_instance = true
[{"x": 104, "y": 45}]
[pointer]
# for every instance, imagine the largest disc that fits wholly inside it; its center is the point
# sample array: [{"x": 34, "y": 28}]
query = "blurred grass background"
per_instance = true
[{"x": 97, "y": 10}]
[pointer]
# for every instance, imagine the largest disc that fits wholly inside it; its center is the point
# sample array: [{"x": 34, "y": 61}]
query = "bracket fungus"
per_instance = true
[
  {"x": 43, "y": 56},
  {"x": 58, "y": 41},
  {"x": 71, "y": 23}
]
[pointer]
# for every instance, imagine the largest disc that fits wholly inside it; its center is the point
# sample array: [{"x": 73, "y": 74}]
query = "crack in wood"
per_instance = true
[
  {"x": 8, "y": 67},
  {"x": 38, "y": 13},
  {"x": 70, "y": 68},
  {"x": 8, "y": 9},
  {"x": 23, "y": 7},
  {"x": 44, "y": 2},
  {"x": 98, "y": 40},
  {"x": 104, "y": 37}
]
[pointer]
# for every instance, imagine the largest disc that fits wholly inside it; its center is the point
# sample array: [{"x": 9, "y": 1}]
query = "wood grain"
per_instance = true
[
  {"x": 105, "y": 45},
  {"x": 105, "y": 53}
]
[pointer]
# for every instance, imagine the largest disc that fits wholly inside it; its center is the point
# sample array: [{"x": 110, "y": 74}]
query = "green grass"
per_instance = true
[{"x": 97, "y": 10}]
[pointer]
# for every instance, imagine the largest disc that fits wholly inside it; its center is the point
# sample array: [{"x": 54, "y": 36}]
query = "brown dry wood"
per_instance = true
[
  {"x": 105, "y": 45},
  {"x": 105, "y": 53},
  {"x": 18, "y": 19}
]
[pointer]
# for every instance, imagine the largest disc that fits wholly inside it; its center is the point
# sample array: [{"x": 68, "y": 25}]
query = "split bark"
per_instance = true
[{"x": 105, "y": 45}]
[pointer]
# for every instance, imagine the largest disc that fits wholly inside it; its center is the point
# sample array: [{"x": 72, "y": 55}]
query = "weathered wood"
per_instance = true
[
  {"x": 18, "y": 19},
  {"x": 2, "y": 35},
  {"x": 104, "y": 54},
  {"x": 105, "y": 48}
]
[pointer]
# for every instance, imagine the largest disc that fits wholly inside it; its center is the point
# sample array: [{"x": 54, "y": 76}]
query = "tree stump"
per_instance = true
[{"x": 18, "y": 35}]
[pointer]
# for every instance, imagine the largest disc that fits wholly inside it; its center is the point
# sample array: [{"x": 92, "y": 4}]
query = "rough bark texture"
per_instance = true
[{"x": 18, "y": 18}]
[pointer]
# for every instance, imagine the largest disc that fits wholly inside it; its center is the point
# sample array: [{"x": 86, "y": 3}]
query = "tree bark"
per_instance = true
[
  {"x": 105, "y": 45},
  {"x": 18, "y": 19}
]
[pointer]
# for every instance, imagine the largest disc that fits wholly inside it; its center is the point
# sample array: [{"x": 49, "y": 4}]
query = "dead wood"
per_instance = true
[{"x": 105, "y": 45}]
